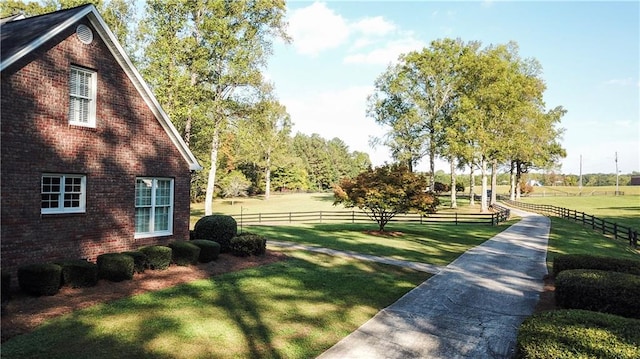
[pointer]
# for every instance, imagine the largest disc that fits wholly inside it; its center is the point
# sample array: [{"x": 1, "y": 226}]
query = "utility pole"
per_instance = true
[{"x": 580, "y": 182}]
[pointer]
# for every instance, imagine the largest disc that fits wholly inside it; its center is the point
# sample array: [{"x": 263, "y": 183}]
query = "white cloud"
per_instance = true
[
  {"x": 620, "y": 82},
  {"x": 375, "y": 26},
  {"x": 338, "y": 113},
  {"x": 316, "y": 28},
  {"x": 386, "y": 54}
]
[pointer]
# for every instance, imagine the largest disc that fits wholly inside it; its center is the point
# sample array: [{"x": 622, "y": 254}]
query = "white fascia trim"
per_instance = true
[
  {"x": 46, "y": 37},
  {"x": 118, "y": 52}
]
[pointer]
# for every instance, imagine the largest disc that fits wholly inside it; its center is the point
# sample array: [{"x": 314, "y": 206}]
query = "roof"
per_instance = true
[{"x": 20, "y": 36}]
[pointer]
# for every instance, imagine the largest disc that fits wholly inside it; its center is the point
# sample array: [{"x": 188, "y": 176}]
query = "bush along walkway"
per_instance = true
[{"x": 471, "y": 309}]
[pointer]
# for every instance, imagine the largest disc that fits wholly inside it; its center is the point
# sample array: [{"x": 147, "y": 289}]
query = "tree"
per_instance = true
[
  {"x": 386, "y": 191},
  {"x": 233, "y": 185},
  {"x": 264, "y": 136},
  {"x": 206, "y": 57}
]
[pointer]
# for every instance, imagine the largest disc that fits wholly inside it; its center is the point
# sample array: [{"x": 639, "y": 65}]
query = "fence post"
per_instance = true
[
  {"x": 615, "y": 230},
  {"x": 259, "y": 217},
  {"x": 320, "y": 216},
  {"x": 289, "y": 217},
  {"x": 353, "y": 217},
  {"x": 456, "y": 218}
]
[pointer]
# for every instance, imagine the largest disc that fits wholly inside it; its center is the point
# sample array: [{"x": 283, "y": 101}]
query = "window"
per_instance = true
[
  {"x": 154, "y": 207},
  {"x": 82, "y": 97},
  {"x": 61, "y": 193}
]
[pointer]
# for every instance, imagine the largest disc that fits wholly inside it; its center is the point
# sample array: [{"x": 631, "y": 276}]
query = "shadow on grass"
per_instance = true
[{"x": 295, "y": 309}]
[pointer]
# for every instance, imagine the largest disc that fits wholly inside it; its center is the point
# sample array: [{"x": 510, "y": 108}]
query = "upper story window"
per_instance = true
[
  {"x": 63, "y": 193},
  {"x": 82, "y": 97},
  {"x": 154, "y": 207}
]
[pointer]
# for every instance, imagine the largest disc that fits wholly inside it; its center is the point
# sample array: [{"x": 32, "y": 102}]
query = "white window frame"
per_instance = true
[
  {"x": 75, "y": 98},
  {"x": 152, "y": 206},
  {"x": 62, "y": 193}
]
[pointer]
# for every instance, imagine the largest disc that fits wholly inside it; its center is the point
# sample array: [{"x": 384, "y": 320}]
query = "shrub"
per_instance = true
[
  {"x": 209, "y": 250},
  {"x": 586, "y": 261},
  {"x": 218, "y": 228},
  {"x": 79, "y": 273},
  {"x": 600, "y": 291},
  {"x": 459, "y": 187},
  {"x": 115, "y": 267},
  {"x": 247, "y": 244},
  {"x": 40, "y": 279},
  {"x": 159, "y": 256},
  {"x": 184, "y": 253},
  {"x": 440, "y": 187},
  {"x": 567, "y": 334},
  {"x": 6, "y": 287},
  {"x": 140, "y": 260}
]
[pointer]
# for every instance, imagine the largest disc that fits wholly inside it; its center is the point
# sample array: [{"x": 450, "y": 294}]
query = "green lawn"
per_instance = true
[
  {"x": 624, "y": 210},
  {"x": 292, "y": 309}
]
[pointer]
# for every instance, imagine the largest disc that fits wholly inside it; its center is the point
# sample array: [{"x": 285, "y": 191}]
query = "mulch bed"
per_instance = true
[{"x": 24, "y": 313}]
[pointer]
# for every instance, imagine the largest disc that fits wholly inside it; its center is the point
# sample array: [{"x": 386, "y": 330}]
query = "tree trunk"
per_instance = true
[
  {"x": 211, "y": 181},
  {"x": 512, "y": 182},
  {"x": 432, "y": 168},
  {"x": 518, "y": 178},
  {"x": 483, "y": 196},
  {"x": 494, "y": 181},
  {"x": 472, "y": 187},
  {"x": 267, "y": 178},
  {"x": 454, "y": 202}
]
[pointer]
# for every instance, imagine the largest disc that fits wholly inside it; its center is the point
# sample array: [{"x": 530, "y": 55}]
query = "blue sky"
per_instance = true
[{"x": 589, "y": 51}]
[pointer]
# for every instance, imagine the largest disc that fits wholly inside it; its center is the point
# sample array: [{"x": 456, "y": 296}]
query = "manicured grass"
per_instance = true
[
  {"x": 292, "y": 309},
  {"x": 437, "y": 244},
  {"x": 624, "y": 210},
  {"x": 567, "y": 237}
]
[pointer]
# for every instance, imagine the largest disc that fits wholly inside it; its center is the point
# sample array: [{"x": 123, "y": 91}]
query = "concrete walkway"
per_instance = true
[{"x": 472, "y": 308}]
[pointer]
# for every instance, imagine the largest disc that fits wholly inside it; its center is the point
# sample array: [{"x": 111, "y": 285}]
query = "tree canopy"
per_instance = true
[{"x": 386, "y": 191}]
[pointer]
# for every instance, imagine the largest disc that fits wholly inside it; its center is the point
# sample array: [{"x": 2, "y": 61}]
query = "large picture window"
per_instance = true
[
  {"x": 82, "y": 97},
  {"x": 154, "y": 207},
  {"x": 63, "y": 193}
]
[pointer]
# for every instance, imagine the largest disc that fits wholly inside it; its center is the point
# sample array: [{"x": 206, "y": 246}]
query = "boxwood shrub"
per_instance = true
[
  {"x": 565, "y": 334},
  {"x": 587, "y": 261},
  {"x": 40, "y": 279},
  {"x": 218, "y": 228},
  {"x": 184, "y": 253},
  {"x": 115, "y": 267},
  {"x": 140, "y": 260},
  {"x": 79, "y": 273},
  {"x": 601, "y": 291},
  {"x": 159, "y": 256},
  {"x": 209, "y": 250},
  {"x": 247, "y": 244}
]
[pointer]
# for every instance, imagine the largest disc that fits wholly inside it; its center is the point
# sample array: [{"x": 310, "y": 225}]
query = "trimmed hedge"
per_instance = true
[
  {"x": 218, "y": 228},
  {"x": 140, "y": 260},
  {"x": 184, "y": 253},
  {"x": 247, "y": 244},
  {"x": 600, "y": 291},
  {"x": 115, "y": 267},
  {"x": 159, "y": 256},
  {"x": 587, "y": 261},
  {"x": 565, "y": 334},
  {"x": 209, "y": 250},
  {"x": 40, "y": 279},
  {"x": 79, "y": 273}
]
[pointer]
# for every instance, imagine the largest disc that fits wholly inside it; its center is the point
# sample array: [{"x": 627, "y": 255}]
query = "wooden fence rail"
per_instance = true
[
  {"x": 606, "y": 227},
  {"x": 499, "y": 215}
]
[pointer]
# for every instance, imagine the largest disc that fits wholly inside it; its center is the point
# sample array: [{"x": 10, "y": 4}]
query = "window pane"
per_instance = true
[
  {"x": 71, "y": 200},
  {"x": 143, "y": 217},
  {"x": 49, "y": 201},
  {"x": 163, "y": 193},
  {"x": 143, "y": 192},
  {"x": 161, "y": 219}
]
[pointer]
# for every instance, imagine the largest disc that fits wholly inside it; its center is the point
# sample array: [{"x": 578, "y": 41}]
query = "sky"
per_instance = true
[{"x": 589, "y": 52}]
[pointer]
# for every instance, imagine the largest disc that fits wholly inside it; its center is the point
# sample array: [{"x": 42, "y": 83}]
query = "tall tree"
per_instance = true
[
  {"x": 264, "y": 136},
  {"x": 218, "y": 48}
]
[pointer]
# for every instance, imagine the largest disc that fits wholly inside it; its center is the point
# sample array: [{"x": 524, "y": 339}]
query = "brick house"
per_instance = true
[{"x": 90, "y": 162}]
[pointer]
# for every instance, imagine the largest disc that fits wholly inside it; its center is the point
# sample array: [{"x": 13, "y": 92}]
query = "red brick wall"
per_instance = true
[{"x": 36, "y": 138}]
